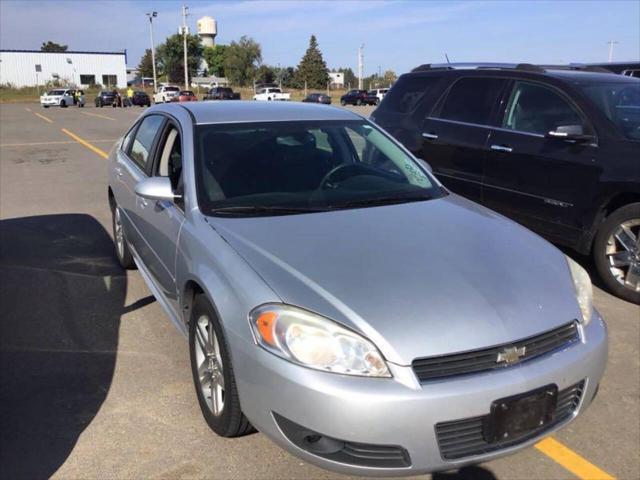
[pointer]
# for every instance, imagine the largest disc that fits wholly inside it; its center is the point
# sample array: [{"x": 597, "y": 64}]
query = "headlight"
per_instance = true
[
  {"x": 313, "y": 341},
  {"x": 584, "y": 290}
]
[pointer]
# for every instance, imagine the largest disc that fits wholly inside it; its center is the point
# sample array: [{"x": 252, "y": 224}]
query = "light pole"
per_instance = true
[
  {"x": 360, "y": 65},
  {"x": 151, "y": 16},
  {"x": 611, "y": 44},
  {"x": 184, "y": 45}
]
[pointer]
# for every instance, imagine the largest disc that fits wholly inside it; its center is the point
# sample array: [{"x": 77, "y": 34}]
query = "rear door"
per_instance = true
[
  {"x": 454, "y": 136},
  {"x": 160, "y": 221},
  {"x": 542, "y": 182},
  {"x": 132, "y": 166}
]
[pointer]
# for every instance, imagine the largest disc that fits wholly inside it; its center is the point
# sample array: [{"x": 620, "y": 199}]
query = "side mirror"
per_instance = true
[
  {"x": 425, "y": 164},
  {"x": 155, "y": 188},
  {"x": 574, "y": 133}
]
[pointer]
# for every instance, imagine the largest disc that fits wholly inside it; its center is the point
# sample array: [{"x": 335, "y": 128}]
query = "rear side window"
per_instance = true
[
  {"x": 143, "y": 140},
  {"x": 407, "y": 92},
  {"x": 472, "y": 100}
]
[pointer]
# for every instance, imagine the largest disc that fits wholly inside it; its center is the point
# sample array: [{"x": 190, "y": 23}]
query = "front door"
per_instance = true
[
  {"x": 541, "y": 181},
  {"x": 454, "y": 136}
]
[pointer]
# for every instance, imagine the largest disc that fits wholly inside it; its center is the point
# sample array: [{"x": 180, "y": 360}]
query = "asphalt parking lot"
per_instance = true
[{"x": 95, "y": 381}]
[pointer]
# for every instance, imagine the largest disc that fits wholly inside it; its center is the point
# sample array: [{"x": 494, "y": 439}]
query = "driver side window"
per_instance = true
[{"x": 537, "y": 109}]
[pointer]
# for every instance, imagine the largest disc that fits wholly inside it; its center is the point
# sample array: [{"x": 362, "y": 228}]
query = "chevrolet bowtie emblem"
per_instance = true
[{"x": 511, "y": 355}]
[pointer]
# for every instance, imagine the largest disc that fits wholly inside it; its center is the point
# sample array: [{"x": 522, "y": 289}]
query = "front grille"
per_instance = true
[
  {"x": 464, "y": 438},
  {"x": 486, "y": 359}
]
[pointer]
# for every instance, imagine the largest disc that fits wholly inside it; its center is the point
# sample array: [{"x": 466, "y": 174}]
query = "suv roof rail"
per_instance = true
[
  {"x": 478, "y": 66},
  {"x": 578, "y": 67}
]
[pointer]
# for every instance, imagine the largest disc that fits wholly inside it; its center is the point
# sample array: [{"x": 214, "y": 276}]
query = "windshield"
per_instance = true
[
  {"x": 56, "y": 92},
  {"x": 298, "y": 167},
  {"x": 171, "y": 89},
  {"x": 620, "y": 102}
]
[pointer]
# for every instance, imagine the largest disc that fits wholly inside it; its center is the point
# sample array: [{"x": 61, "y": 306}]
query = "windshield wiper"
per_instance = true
[
  {"x": 382, "y": 201},
  {"x": 259, "y": 209}
]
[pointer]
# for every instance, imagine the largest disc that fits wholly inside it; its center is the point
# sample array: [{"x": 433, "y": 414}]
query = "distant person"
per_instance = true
[
  {"x": 117, "y": 99},
  {"x": 130, "y": 96}
]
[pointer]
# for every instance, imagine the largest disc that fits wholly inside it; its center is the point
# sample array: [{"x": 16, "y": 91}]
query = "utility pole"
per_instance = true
[
  {"x": 611, "y": 44},
  {"x": 151, "y": 16},
  {"x": 184, "y": 45},
  {"x": 360, "y": 65}
]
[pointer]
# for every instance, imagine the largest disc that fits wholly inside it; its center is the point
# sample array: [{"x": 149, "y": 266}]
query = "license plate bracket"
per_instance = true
[{"x": 516, "y": 416}]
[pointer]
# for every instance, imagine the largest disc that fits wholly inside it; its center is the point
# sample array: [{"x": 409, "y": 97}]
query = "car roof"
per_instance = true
[
  {"x": 252, "y": 111},
  {"x": 590, "y": 76}
]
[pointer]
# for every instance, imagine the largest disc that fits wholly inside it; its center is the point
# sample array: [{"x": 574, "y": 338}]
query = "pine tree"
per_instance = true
[
  {"x": 312, "y": 68},
  {"x": 145, "y": 67}
]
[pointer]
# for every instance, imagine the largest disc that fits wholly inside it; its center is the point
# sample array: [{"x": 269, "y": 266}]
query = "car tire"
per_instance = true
[
  {"x": 63, "y": 104},
  {"x": 123, "y": 254},
  {"x": 46, "y": 106},
  {"x": 213, "y": 373},
  {"x": 616, "y": 253},
  {"x": 377, "y": 102},
  {"x": 343, "y": 103}
]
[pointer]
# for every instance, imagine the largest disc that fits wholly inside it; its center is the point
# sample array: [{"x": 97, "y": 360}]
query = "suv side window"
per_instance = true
[
  {"x": 538, "y": 109},
  {"x": 407, "y": 92},
  {"x": 472, "y": 99},
  {"x": 143, "y": 141}
]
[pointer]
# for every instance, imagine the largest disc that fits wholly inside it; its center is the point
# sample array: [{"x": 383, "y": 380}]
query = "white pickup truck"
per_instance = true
[
  {"x": 165, "y": 93},
  {"x": 268, "y": 94},
  {"x": 58, "y": 97}
]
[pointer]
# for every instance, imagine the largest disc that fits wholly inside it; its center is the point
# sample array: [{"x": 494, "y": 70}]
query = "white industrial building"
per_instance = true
[
  {"x": 336, "y": 79},
  {"x": 26, "y": 68}
]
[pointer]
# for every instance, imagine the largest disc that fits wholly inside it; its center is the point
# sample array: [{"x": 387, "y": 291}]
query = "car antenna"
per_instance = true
[{"x": 447, "y": 57}]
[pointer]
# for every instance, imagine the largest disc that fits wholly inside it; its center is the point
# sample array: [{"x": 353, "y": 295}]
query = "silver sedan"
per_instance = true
[{"x": 339, "y": 299}]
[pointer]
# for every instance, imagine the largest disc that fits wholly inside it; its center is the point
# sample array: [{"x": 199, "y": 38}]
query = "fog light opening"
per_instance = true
[{"x": 320, "y": 444}]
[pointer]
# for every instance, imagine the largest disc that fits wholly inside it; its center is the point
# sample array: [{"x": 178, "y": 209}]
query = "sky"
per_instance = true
[{"x": 396, "y": 34}]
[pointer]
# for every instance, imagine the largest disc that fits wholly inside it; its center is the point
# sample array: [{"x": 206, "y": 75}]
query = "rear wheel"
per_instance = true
[
  {"x": 46, "y": 106},
  {"x": 119, "y": 239},
  {"x": 63, "y": 104},
  {"x": 616, "y": 252},
  {"x": 213, "y": 373}
]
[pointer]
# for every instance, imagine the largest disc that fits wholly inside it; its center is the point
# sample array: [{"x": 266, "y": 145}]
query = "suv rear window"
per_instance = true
[
  {"x": 472, "y": 100},
  {"x": 406, "y": 93}
]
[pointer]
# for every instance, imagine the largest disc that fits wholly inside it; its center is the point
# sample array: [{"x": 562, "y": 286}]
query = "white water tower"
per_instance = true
[{"x": 207, "y": 30}]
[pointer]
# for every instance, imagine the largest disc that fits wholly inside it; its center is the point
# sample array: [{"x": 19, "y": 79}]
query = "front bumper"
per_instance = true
[{"x": 400, "y": 411}]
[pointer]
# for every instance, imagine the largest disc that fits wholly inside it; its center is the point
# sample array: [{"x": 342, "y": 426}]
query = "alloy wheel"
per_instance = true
[
  {"x": 623, "y": 254},
  {"x": 210, "y": 366}
]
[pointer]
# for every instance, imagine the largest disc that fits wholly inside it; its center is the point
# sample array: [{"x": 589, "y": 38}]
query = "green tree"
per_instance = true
[
  {"x": 285, "y": 76},
  {"x": 145, "y": 67},
  {"x": 389, "y": 78},
  {"x": 53, "y": 47},
  {"x": 241, "y": 61},
  {"x": 170, "y": 57},
  {"x": 312, "y": 68},
  {"x": 265, "y": 74},
  {"x": 215, "y": 57}
]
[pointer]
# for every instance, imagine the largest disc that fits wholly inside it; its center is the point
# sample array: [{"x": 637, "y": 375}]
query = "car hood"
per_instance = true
[{"x": 418, "y": 279}]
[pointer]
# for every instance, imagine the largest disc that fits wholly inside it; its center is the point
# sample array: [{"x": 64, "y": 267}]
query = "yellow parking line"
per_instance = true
[
  {"x": 34, "y": 144},
  {"x": 580, "y": 467},
  {"x": 93, "y": 148},
  {"x": 98, "y": 115},
  {"x": 43, "y": 117}
]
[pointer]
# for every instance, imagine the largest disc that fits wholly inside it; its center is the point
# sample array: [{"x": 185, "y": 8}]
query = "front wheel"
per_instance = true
[
  {"x": 125, "y": 259},
  {"x": 63, "y": 104},
  {"x": 616, "y": 252},
  {"x": 213, "y": 373},
  {"x": 46, "y": 106},
  {"x": 343, "y": 103}
]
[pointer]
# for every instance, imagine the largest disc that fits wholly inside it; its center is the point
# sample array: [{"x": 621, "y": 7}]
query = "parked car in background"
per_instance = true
[
  {"x": 354, "y": 97},
  {"x": 339, "y": 299},
  {"x": 185, "y": 96},
  {"x": 141, "y": 99},
  {"x": 221, "y": 93},
  {"x": 374, "y": 97},
  {"x": 58, "y": 97},
  {"x": 166, "y": 93},
  {"x": 317, "y": 98},
  {"x": 555, "y": 149},
  {"x": 105, "y": 98},
  {"x": 271, "y": 93},
  {"x": 632, "y": 73}
]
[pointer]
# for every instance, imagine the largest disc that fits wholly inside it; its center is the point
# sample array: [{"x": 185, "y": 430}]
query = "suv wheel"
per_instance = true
[
  {"x": 213, "y": 374},
  {"x": 616, "y": 252},
  {"x": 120, "y": 240},
  {"x": 343, "y": 103}
]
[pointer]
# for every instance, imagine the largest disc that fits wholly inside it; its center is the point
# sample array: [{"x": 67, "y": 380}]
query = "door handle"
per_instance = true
[
  {"x": 430, "y": 136},
  {"x": 501, "y": 148},
  {"x": 118, "y": 171}
]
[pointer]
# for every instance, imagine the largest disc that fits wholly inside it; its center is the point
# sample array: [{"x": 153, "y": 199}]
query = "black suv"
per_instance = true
[
  {"x": 353, "y": 97},
  {"x": 221, "y": 93},
  {"x": 556, "y": 149}
]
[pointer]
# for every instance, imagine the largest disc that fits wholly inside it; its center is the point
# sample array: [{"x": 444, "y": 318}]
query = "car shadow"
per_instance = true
[
  {"x": 473, "y": 472},
  {"x": 62, "y": 293}
]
